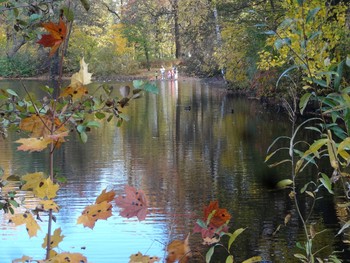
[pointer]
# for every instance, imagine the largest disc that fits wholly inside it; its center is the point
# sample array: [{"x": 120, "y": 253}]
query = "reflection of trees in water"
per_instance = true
[{"x": 182, "y": 159}]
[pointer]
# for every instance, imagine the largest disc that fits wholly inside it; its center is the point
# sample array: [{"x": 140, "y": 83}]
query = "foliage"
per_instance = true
[
  {"x": 320, "y": 70},
  {"x": 310, "y": 37}
]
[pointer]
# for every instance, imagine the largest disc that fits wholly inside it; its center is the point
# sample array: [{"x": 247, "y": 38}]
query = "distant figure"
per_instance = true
[
  {"x": 156, "y": 74},
  {"x": 174, "y": 71},
  {"x": 169, "y": 74},
  {"x": 162, "y": 72}
]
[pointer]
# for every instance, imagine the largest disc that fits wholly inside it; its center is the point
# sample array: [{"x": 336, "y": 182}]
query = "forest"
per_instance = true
[
  {"x": 295, "y": 52},
  {"x": 252, "y": 42}
]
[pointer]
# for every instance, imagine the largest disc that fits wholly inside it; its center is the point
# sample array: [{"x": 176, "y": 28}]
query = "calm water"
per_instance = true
[{"x": 182, "y": 159}]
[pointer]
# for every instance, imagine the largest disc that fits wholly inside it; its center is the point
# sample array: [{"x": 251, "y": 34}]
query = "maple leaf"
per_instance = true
[
  {"x": 49, "y": 204},
  {"x": 67, "y": 257},
  {"x": 94, "y": 212},
  {"x": 56, "y": 37},
  {"x": 178, "y": 251},
  {"x": 215, "y": 221},
  {"x": 139, "y": 258},
  {"x": 33, "y": 144},
  {"x": 133, "y": 203},
  {"x": 215, "y": 215},
  {"x": 27, "y": 219},
  {"x": 105, "y": 196},
  {"x": 41, "y": 126},
  {"x": 32, "y": 180},
  {"x": 55, "y": 239},
  {"x": 46, "y": 188},
  {"x": 77, "y": 88}
]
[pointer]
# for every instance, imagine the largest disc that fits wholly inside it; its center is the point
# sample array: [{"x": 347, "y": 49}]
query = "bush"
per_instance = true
[{"x": 22, "y": 64}]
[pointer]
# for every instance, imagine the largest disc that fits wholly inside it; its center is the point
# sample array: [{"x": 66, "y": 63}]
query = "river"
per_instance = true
[{"x": 192, "y": 143}]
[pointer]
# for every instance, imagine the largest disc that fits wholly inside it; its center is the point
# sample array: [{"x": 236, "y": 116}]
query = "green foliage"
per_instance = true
[{"x": 22, "y": 64}]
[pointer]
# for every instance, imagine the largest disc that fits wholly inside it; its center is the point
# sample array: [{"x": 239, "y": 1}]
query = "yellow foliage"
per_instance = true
[
  {"x": 27, "y": 219},
  {"x": 310, "y": 40}
]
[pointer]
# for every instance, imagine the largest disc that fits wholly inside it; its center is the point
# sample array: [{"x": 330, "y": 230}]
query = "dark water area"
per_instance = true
[{"x": 192, "y": 143}]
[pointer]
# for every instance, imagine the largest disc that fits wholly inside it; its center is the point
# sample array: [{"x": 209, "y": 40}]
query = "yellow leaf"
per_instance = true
[
  {"x": 27, "y": 219},
  {"x": 105, "y": 196},
  {"x": 55, "y": 239},
  {"x": 32, "y": 180},
  {"x": 23, "y": 259},
  {"x": 94, "y": 212},
  {"x": 76, "y": 92},
  {"x": 253, "y": 259},
  {"x": 67, "y": 257},
  {"x": 49, "y": 204},
  {"x": 46, "y": 188},
  {"x": 139, "y": 258},
  {"x": 33, "y": 144}
]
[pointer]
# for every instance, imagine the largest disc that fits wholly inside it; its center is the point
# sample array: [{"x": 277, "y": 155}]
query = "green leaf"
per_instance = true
[
  {"x": 303, "y": 102},
  {"x": 68, "y": 13},
  {"x": 326, "y": 182},
  {"x": 253, "y": 259},
  {"x": 11, "y": 92},
  {"x": 270, "y": 32},
  {"x": 301, "y": 2},
  {"x": 234, "y": 236},
  {"x": 93, "y": 124},
  {"x": 284, "y": 183},
  {"x": 281, "y": 42},
  {"x": 339, "y": 76},
  {"x": 347, "y": 61},
  {"x": 81, "y": 128},
  {"x": 61, "y": 179},
  {"x": 209, "y": 254},
  {"x": 137, "y": 83},
  {"x": 315, "y": 147},
  {"x": 34, "y": 17},
  {"x": 312, "y": 14},
  {"x": 83, "y": 137},
  {"x": 229, "y": 259},
  {"x": 85, "y": 4},
  {"x": 201, "y": 223},
  {"x": 100, "y": 115},
  {"x": 151, "y": 88},
  {"x": 13, "y": 203},
  {"x": 345, "y": 226},
  {"x": 300, "y": 256}
]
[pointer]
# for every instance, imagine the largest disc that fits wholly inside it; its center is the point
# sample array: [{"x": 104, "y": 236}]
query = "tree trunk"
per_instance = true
[
  {"x": 14, "y": 42},
  {"x": 175, "y": 12}
]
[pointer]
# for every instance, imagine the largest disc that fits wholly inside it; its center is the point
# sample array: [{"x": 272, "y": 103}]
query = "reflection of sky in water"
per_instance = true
[{"x": 182, "y": 159}]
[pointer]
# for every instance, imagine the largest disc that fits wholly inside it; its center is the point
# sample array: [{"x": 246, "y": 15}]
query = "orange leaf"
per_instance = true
[
  {"x": 41, "y": 125},
  {"x": 105, "y": 196},
  {"x": 92, "y": 213},
  {"x": 33, "y": 144},
  {"x": 219, "y": 216},
  {"x": 26, "y": 218},
  {"x": 56, "y": 37},
  {"x": 178, "y": 251}
]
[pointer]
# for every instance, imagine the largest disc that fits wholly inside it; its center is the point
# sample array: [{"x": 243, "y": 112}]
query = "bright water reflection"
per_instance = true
[{"x": 189, "y": 144}]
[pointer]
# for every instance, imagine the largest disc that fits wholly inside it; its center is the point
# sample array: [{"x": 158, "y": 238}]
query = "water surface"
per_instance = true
[{"x": 192, "y": 143}]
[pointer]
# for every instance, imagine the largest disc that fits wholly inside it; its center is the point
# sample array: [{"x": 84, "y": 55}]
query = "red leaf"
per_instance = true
[
  {"x": 56, "y": 37},
  {"x": 133, "y": 203}
]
